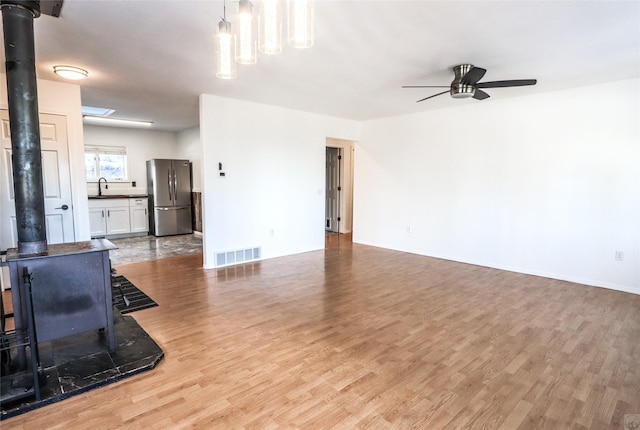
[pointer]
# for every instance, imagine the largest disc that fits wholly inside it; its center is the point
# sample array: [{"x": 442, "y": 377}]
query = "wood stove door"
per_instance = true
[{"x": 57, "y": 182}]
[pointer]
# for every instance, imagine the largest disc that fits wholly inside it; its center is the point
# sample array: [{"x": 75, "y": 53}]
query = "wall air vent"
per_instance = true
[{"x": 238, "y": 256}]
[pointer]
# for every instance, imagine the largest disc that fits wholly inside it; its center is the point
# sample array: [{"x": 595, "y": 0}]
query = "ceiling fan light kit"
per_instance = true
[
  {"x": 466, "y": 84},
  {"x": 263, "y": 30},
  {"x": 460, "y": 90}
]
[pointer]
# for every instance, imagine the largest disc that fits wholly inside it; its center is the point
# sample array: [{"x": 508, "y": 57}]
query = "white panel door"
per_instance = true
[{"x": 56, "y": 182}]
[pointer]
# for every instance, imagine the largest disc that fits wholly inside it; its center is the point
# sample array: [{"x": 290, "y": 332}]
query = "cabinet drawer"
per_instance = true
[
  {"x": 107, "y": 203},
  {"x": 142, "y": 202}
]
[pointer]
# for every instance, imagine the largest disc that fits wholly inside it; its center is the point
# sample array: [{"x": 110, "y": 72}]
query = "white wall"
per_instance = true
[
  {"x": 546, "y": 184},
  {"x": 273, "y": 192},
  {"x": 64, "y": 99},
  {"x": 189, "y": 148},
  {"x": 141, "y": 144}
]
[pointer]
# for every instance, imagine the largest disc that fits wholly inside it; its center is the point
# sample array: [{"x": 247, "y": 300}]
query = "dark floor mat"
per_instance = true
[{"x": 128, "y": 298}]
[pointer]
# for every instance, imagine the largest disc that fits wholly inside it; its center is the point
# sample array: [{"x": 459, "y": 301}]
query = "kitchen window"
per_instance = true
[{"x": 108, "y": 162}]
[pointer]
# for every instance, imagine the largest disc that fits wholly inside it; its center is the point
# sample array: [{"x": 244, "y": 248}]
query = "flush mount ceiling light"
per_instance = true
[{"x": 70, "y": 72}]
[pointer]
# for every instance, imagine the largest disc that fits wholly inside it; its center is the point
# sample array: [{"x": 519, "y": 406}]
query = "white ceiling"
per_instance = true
[{"x": 151, "y": 59}]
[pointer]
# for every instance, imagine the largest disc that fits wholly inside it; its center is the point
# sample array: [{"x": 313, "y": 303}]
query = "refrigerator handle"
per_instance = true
[
  {"x": 175, "y": 186},
  {"x": 169, "y": 181}
]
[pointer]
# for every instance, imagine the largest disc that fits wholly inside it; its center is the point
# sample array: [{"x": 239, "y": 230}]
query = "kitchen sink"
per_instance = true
[{"x": 118, "y": 196}]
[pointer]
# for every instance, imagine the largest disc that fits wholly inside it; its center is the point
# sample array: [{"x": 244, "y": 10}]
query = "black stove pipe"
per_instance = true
[{"x": 17, "y": 20}]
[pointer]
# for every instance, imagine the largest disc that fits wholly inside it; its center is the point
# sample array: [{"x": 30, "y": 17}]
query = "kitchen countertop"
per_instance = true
[{"x": 119, "y": 196}]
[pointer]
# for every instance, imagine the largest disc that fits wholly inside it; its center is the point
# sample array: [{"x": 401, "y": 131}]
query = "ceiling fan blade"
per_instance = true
[
  {"x": 473, "y": 76},
  {"x": 430, "y": 97},
  {"x": 503, "y": 84},
  {"x": 426, "y": 86},
  {"x": 480, "y": 95}
]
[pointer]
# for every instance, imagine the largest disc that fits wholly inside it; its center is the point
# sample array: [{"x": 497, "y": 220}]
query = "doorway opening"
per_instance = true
[
  {"x": 338, "y": 221},
  {"x": 333, "y": 190}
]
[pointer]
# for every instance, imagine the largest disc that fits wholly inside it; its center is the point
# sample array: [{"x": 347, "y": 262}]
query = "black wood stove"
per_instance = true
[{"x": 70, "y": 289}]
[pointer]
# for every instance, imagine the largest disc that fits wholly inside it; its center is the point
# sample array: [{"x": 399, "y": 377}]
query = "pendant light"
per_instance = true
[
  {"x": 270, "y": 23},
  {"x": 246, "y": 41},
  {"x": 225, "y": 49},
  {"x": 301, "y": 23}
]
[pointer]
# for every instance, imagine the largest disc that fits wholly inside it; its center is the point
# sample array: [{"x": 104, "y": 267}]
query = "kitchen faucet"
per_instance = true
[{"x": 106, "y": 187}]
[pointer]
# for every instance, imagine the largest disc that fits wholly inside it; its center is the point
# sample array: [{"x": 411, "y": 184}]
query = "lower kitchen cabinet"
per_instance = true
[
  {"x": 118, "y": 217},
  {"x": 118, "y": 220},
  {"x": 97, "y": 221},
  {"x": 138, "y": 215}
]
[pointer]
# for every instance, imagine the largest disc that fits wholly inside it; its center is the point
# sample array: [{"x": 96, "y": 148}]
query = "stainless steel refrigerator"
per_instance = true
[{"x": 169, "y": 189}]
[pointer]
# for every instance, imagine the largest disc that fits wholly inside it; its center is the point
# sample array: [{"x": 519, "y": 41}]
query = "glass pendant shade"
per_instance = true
[
  {"x": 247, "y": 39},
  {"x": 270, "y": 26},
  {"x": 300, "y": 23},
  {"x": 225, "y": 51}
]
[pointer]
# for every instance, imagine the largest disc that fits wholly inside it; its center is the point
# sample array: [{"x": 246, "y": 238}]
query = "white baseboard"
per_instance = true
[{"x": 525, "y": 271}]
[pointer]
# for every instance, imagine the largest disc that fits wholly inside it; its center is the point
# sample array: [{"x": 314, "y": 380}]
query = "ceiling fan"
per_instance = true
[{"x": 465, "y": 84}]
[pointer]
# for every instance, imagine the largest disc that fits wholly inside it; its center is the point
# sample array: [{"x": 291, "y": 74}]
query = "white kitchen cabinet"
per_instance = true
[
  {"x": 139, "y": 217},
  {"x": 118, "y": 217},
  {"x": 118, "y": 220},
  {"x": 98, "y": 221}
]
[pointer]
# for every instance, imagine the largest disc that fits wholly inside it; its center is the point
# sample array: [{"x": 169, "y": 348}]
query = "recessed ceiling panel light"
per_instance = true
[
  {"x": 70, "y": 72},
  {"x": 116, "y": 121}
]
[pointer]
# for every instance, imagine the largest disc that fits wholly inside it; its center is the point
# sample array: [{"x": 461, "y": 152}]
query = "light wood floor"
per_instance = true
[{"x": 360, "y": 337}]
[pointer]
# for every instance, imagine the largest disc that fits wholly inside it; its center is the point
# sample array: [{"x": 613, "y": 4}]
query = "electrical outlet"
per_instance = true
[
  {"x": 619, "y": 256},
  {"x": 409, "y": 229}
]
